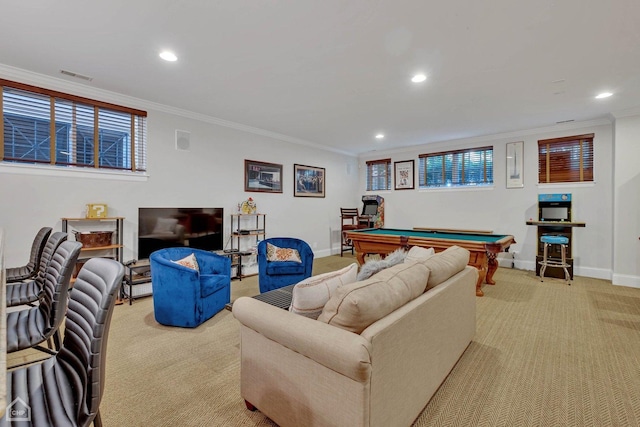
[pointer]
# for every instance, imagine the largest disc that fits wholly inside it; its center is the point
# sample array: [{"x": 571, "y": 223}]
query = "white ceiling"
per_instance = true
[{"x": 336, "y": 72}]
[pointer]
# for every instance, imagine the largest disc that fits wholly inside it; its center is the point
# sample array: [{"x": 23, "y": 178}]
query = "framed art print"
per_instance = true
[
  {"x": 403, "y": 173},
  {"x": 309, "y": 181},
  {"x": 514, "y": 165},
  {"x": 262, "y": 177}
]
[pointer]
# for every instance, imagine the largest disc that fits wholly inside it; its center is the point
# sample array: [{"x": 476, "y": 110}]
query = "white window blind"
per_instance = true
[{"x": 379, "y": 175}]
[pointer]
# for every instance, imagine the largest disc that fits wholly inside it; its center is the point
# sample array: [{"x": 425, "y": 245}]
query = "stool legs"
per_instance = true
[
  {"x": 567, "y": 277},
  {"x": 544, "y": 261},
  {"x": 563, "y": 262}
]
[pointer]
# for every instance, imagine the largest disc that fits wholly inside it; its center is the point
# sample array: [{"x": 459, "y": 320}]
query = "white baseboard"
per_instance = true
[
  {"x": 626, "y": 280},
  {"x": 596, "y": 273}
]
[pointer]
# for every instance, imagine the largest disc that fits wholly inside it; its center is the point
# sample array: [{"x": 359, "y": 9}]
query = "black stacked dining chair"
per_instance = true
[
  {"x": 29, "y": 270},
  {"x": 28, "y": 292},
  {"x": 30, "y": 327},
  {"x": 66, "y": 389}
]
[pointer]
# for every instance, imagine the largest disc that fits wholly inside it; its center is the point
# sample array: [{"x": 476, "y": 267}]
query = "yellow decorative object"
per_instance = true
[
  {"x": 97, "y": 210},
  {"x": 248, "y": 206}
]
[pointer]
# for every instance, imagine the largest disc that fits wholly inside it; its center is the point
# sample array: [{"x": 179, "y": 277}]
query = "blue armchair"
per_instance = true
[
  {"x": 276, "y": 274},
  {"x": 186, "y": 297}
]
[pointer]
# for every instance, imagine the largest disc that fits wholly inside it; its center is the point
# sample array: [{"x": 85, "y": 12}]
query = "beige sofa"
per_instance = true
[{"x": 304, "y": 372}]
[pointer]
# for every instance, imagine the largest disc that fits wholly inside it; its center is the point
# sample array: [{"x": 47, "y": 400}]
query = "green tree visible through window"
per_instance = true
[{"x": 470, "y": 167}]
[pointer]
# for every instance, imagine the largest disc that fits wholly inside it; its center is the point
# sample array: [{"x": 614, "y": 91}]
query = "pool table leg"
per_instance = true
[
  {"x": 482, "y": 272},
  {"x": 493, "y": 266}
]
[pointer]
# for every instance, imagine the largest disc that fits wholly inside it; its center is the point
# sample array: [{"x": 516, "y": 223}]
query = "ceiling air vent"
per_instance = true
[
  {"x": 565, "y": 121},
  {"x": 76, "y": 75}
]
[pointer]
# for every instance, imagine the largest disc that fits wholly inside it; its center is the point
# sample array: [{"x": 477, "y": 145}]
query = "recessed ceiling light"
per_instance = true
[
  {"x": 380, "y": 136},
  {"x": 168, "y": 56},
  {"x": 603, "y": 95},
  {"x": 419, "y": 78}
]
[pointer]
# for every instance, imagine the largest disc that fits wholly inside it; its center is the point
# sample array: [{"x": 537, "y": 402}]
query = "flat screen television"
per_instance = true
[{"x": 200, "y": 228}]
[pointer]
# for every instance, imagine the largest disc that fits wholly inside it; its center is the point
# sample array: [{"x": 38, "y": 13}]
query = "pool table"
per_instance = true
[{"x": 484, "y": 246}]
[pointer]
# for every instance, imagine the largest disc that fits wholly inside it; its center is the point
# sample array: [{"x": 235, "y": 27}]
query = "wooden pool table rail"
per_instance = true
[
  {"x": 453, "y": 230},
  {"x": 482, "y": 254}
]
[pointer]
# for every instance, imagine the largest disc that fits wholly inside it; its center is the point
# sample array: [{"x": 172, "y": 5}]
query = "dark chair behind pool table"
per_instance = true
[{"x": 349, "y": 220}]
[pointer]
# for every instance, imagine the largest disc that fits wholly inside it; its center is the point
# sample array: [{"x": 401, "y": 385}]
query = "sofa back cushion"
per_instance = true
[
  {"x": 357, "y": 305},
  {"x": 419, "y": 254},
  {"x": 309, "y": 296},
  {"x": 445, "y": 264}
]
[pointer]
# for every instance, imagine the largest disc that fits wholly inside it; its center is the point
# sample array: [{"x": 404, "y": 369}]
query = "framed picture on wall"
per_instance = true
[
  {"x": 263, "y": 177},
  {"x": 308, "y": 181},
  {"x": 403, "y": 173},
  {"x": 515, "y": 154}
]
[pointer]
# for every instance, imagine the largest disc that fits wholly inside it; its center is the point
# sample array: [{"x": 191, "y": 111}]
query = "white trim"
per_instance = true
[
  {"x": 35, "y": 79},
  {"x": 458, "y": 188},
  {"x": 498, "y": 137},
  {"x": 626, "y": 280},
  {"x": 75, "y": 172},
  {"x": 629, "y": 112},
  {"x": 595, "y": 273},
  {"x": 556, "y": 185}
]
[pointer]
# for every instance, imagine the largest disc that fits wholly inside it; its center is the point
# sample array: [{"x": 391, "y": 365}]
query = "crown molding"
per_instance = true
[
  {"x": 495, "y": 136},
  {"x": 629, "y": 112},
  {"x": 87, "y": 91}
]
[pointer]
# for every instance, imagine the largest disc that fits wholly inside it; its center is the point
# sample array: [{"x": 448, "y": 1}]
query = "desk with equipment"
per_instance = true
[{"x": 554, "y": 218}]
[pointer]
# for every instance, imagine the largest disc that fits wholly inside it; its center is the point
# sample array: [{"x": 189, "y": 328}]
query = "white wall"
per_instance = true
[
  {"x": 505, "y": 211},
  {"x": 210, "y": 174},
  {"x": 626, "y": 251}
]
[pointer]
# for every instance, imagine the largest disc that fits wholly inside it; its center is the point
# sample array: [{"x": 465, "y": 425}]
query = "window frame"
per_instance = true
[
  {"x": 106, "y": 125},
  {"x": 555, "y": 170},
  {"x": 487, "y": 168},
  {"x": 387, "y": 175}
]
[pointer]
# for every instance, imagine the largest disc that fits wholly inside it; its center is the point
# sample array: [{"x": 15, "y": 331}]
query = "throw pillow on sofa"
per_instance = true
[
  {"x": 275, "y": 253},
  {"x": 445, "y": 264},
  {"x": 189, "y": 261},
  {"x": 309, "y": 296},
  {"x": 357, "y": 305},
  {"x": 419, "y": 254},
  {"x": 373, "y": 266}
]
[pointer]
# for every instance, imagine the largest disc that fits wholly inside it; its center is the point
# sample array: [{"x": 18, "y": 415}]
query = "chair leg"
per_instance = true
[{"x": 97, "y": 421}]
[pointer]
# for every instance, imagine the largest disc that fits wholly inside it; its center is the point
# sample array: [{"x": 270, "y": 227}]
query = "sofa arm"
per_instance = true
[{"x": 337, "y": 349}]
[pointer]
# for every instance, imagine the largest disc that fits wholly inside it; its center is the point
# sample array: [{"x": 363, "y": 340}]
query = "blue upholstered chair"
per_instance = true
[
  {"x": 186, "y": 297},
  {"x": 276, "y": 274}
]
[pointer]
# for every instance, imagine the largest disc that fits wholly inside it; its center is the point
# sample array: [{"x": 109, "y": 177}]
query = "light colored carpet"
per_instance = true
[{"x": 544, "y": 354}]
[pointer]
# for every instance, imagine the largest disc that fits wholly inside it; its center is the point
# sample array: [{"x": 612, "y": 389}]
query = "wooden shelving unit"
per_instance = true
[
  {"x": 246, "y": 231},
  {"x": 113, "y": 224}
]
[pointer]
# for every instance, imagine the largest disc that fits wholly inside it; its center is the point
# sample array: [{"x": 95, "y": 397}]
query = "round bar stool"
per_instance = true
[{"x": 549, "y": 240}]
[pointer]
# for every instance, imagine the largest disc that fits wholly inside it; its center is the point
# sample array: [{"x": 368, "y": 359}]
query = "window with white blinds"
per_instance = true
[
  {"x": 40, "y": 126},
  {"x": 460, "y": 168},
  {"x": 379, "y": 175},
  {"x": 568, "y": 159}
]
